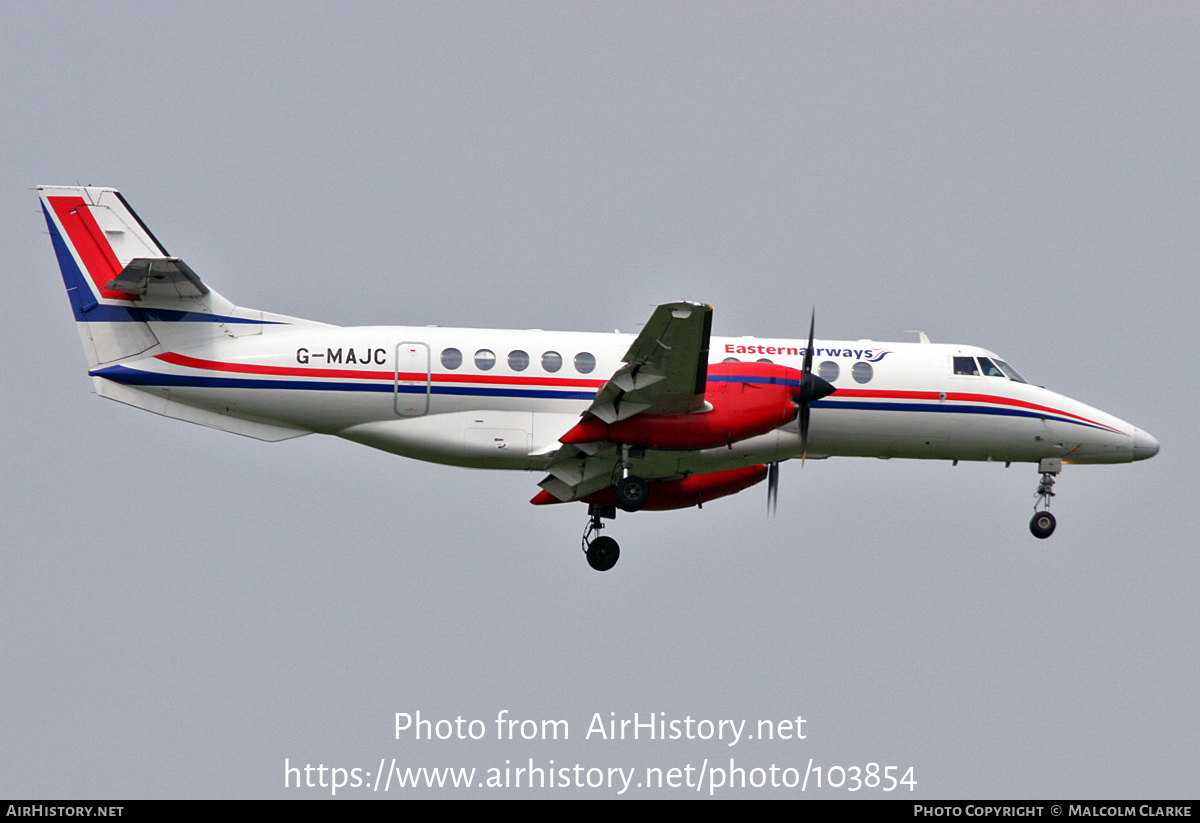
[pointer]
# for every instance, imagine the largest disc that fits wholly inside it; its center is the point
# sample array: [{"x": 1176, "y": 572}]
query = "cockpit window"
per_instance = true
[
  {"x": 989, "y": 368},
  {"x": 1010, "y": 371},
  {"x": 965, "y": 365}
]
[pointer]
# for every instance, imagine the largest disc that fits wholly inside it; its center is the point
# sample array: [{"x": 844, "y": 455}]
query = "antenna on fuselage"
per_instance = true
[{"x": 923, "y": 336}]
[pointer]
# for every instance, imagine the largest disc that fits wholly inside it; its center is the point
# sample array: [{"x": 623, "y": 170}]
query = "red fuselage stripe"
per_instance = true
[
  {"x": 365, "y": 374},
  {"x": 966, "y": 397}
]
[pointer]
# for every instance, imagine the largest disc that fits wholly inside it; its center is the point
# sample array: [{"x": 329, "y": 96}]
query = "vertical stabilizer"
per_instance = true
[
  {"x": 91, "y": 230},
  {"x": 128, "y": 295}
]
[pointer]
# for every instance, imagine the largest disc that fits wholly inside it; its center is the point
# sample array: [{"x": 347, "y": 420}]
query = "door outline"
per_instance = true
[{"x": 411, "y": 403}]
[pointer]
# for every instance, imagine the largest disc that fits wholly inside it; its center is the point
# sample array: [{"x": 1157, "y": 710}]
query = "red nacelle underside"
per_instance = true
[
  {"x": 747, "y": 399},
  {"x": 678, "y": 494}
]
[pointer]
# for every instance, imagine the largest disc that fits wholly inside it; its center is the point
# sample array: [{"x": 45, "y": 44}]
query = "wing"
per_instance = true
[
  {"x": 665, "y": 372},
  {"x": 665, "y": 369}
]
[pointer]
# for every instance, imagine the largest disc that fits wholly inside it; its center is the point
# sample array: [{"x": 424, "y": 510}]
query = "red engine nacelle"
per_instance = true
[
  {"x": 678, "y": 494},
  {"x": 747, "y": 399}
]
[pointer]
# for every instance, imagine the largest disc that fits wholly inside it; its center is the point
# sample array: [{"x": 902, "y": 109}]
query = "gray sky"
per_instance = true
[{"x": 184, "y": 609}]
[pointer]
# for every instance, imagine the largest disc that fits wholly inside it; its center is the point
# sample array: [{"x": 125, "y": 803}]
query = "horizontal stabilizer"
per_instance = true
[
  {"x": 246, "y": 426},
  {"x": 161, "y": 277}
]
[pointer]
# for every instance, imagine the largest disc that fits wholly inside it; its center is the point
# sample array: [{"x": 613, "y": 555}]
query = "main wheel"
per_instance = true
[
  {"x": 1042, "y": 525},
  {"x": 632, "y": 493},
  {"x": 603, "y": 553}
]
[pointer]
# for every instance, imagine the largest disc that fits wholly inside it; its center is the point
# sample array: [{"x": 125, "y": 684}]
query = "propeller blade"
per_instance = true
[
  {"x": 772, "y": 487},
  {"x": 808, "y": 353},
  {"x": 812, "y": 387},
  {"x": 804, "y": 412}
]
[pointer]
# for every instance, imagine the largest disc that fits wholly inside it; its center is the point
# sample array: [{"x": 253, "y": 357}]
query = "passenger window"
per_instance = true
[
  {"x": 764, "y": 360},
  {"x": 585, "y": 363},
  {"x": 965, "y": 365},
  {"x": 484, "y": 359},
  {"x": 551, "y": 361},
  {"x": 518, "y": 360},
  {"x": 451, "y": 358},
  {"x": 828, "y": 371},
  {"x": 862, "y": 372},
  {"x": 990, "y": 369},
  {"x": 731, "y": 360}
]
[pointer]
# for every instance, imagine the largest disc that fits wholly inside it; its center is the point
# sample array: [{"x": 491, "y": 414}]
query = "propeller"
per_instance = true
[{"x": 812, "y": 389}]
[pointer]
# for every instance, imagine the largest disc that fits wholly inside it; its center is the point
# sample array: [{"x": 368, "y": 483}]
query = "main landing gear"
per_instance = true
[
  {"x": 602, "y": 552},
  {"x": 631, "y": 492},
  {"x": 1043, "y": 522}
]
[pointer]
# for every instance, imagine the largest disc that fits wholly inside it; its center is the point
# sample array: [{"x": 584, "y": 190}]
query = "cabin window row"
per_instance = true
[{"x": 518, "y": 360}]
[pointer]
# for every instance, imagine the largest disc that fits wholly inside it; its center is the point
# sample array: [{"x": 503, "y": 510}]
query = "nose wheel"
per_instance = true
[
  {"x": 1043, "y": 522},
  {"x": 1042, "y": 525},
  {"x": 602, "y": 552}
]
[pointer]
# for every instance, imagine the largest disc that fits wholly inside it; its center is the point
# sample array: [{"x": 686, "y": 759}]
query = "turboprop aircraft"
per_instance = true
[{"x": 666, "y": 419}]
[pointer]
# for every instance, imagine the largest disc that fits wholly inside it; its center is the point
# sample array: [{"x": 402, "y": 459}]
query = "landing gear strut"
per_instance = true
[
  {"x": 602, "y": 552},
  {"x": 1043, "y": 522}
]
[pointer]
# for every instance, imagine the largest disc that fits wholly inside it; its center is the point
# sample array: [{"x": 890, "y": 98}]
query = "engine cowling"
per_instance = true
[{"x": 747, "y": 399}]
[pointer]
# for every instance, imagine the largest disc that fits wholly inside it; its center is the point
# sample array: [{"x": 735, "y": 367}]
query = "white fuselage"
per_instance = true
[{"x": 397, "y": 389}]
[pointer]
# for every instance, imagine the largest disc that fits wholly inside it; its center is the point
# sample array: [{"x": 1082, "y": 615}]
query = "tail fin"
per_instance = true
[{"x": 128, "y": 295}]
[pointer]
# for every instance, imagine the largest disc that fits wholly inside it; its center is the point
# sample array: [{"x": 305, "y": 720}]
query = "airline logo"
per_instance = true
[{"x": 872, "y": 355}]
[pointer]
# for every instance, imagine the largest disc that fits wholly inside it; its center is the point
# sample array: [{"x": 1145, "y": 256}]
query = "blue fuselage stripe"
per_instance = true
[{"x": 136, "y": 377}]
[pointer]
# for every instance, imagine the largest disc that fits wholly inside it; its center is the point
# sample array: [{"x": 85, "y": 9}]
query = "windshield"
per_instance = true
[
  {"x": 1010, "y": 371},
  {"x": 986, "y": 367}
]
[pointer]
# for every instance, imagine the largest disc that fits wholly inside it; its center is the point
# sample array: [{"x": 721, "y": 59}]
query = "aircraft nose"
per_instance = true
[{"x": 1144, "y": 445}]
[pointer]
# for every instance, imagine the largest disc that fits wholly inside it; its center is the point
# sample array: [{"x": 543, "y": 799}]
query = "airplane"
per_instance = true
[{"x": 669, "y": 418}]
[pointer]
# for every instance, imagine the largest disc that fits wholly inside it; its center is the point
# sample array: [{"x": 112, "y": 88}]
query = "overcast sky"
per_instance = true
[{"x": 184, "y": 609}]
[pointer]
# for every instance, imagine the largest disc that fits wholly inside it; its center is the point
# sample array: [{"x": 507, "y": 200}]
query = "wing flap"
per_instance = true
[{"x": 574, "y": 473}]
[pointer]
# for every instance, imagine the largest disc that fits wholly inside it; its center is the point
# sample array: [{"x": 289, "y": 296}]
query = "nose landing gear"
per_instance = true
[
  {"x": 602, "y": 552},
  {"x": 1043, "y": 522}
]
